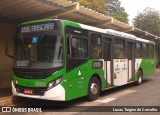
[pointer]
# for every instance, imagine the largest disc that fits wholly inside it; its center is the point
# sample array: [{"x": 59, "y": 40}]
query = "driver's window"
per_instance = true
[{"x": 77, "y": 47}]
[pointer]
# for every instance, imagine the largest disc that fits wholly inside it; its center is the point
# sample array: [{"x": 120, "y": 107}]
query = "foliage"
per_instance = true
[
  {"x": 115, "y": 10},
  {"x": 148, "y": 20},
  {"x": 109, "y": 7},
  {"x": 97, "y": 5}
]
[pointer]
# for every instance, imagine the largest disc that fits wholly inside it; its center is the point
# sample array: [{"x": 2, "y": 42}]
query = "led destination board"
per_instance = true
[{"x": 39, "y": 27}]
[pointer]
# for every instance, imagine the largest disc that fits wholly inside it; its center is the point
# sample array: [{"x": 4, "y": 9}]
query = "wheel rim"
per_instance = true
[{"x": 94, "y": 88}]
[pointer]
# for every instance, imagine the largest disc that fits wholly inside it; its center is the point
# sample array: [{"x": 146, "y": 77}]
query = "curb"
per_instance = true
[{"x": 6, "y": 100}]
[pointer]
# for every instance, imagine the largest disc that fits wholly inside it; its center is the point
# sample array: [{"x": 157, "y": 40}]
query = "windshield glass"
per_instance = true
[{"x": 38, "y": 51}]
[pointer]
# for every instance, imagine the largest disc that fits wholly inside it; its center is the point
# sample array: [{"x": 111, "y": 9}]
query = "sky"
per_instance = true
[{"x": 132, "y": 7}]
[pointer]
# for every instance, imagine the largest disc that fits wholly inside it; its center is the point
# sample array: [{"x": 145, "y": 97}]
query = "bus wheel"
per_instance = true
[
  {"x": 140, "y": 77},
  {"x": 93, "y": 89}
]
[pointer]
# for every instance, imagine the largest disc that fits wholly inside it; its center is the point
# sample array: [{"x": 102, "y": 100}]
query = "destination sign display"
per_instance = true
[{"x": 39, "y": 27}]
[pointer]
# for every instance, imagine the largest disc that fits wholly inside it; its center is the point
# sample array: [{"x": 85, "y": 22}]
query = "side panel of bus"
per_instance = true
[{"x": 119, "y": 62}]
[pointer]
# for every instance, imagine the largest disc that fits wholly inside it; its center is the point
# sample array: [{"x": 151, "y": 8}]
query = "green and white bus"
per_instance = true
[{"x": 63, "y": 60}]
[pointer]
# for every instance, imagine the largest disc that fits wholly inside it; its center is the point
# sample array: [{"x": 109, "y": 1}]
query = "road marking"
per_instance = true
[
  {"x": 105, "y": 100},
  {"x": 122, "y": 93},
  {"x": 108, "y": 98},
  {"x": 118, "y": 94},
  {"x": 101, "y": 101}
]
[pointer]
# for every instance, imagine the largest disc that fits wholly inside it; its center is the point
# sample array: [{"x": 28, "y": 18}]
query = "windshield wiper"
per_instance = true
[{"x": 44, "y": 36}]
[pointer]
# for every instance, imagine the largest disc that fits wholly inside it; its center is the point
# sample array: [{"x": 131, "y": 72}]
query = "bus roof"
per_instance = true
[
  {"x": 105, "y": 31},
  {"x": 113, "y": 32}
]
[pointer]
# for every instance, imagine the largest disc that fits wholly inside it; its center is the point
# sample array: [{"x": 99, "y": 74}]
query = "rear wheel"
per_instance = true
[
  {"x": 140, "y": 78},
  {"x": 93, "y": 89}
]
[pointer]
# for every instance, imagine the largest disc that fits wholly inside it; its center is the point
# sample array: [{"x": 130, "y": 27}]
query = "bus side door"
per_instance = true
[
  {"x": 108, "y": 60},
  {"x": 131, "y": 61},
  {"x": 120, "y": 62}
]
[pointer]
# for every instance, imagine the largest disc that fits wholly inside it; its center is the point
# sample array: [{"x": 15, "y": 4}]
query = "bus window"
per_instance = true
[
  {"x": 68, "y": 37},
  {"x": 138, "y": 50},
  {"x": 120, "y": 49},
  {"x": 151, "y": 51},
  {"x": 96, "y": 46},
  {"x": 107, "y": 46},
  {"x": 145, "y": 50},
  {"x": 79, "y": 47}
]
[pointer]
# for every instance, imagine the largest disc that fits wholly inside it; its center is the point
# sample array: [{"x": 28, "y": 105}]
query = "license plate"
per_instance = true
[{"x": 28, "y": 91}]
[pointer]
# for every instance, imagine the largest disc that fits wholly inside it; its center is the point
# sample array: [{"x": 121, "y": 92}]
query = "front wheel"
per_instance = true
[
  {"x": 93, "y": 89},
  {"x": 140, "y": 78}
]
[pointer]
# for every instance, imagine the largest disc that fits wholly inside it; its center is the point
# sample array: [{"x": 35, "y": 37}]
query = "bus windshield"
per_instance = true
[{"x": 38, "y": 51}]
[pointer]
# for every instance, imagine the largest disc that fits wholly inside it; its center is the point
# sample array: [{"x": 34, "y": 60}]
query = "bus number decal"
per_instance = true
[
  {"x": 97, "y": 64},
  {"x": 22, "y": 63}
]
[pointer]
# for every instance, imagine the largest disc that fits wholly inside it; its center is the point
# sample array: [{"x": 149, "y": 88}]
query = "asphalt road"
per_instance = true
[{"x": 128, "y": 96}]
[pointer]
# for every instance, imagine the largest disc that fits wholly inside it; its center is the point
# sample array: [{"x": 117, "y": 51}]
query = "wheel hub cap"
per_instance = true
[
  {"x": 94, "y": 88},
  {"x": 140, "y": 79}
]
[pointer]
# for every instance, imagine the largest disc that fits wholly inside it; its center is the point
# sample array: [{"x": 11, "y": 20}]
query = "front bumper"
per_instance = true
[{"x": 56, "y": 93}]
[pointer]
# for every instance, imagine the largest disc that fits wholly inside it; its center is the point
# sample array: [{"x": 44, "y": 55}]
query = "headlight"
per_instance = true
[
  {"x": 58, "y": 81},
  {"x": 51, "y": 84},
  {"x": 55, "y": 83}
]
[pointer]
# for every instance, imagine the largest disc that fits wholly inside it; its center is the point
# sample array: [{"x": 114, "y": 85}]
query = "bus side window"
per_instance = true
[
  {"x": 79, "y": 47},
  {"x": 151, "y": 51},
  {"x": 138, "y": 50},
  {"x": 96, "y": 45},
  {"x": 120, "y": 49},
  {"x": 145, "y": 50}
]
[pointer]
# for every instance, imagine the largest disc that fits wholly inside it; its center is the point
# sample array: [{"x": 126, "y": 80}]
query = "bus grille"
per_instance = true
[
  {"x": 20, "y": 89},
  {"x": 30, "y": 74}
]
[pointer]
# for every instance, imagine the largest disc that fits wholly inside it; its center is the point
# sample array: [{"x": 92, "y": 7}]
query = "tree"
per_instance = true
[
  {"x": 115, "y": 10},
  {"x": 109, "y": 7},
  {"x": 148, "y": 20},
  {"x": 98, "y": 5}
]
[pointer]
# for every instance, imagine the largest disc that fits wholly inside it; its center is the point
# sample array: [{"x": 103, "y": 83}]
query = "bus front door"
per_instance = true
[{"x": 131, "y": 61}]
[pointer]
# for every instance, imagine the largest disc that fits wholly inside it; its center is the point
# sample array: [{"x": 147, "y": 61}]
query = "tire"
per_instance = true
[
  {"x": 140, "y": 78},
  {"x": 93, "y": 89}
]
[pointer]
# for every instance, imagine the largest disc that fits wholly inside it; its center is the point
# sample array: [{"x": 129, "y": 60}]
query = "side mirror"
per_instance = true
[
  {"x": 7, "y": 43},
  {"x": 6, "y": 47}
]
